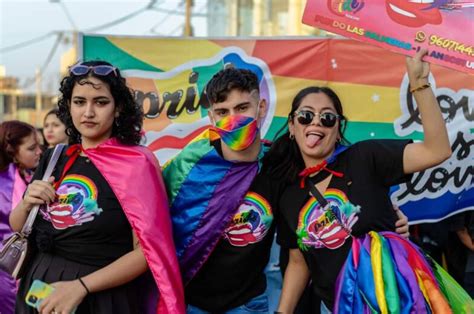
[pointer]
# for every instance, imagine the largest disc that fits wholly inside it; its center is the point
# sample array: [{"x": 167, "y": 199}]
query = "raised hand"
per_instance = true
[{"x": 417, "y": 69}]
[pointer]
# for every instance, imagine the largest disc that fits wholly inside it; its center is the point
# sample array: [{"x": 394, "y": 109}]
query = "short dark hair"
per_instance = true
[
  {"x": 226, "y": 80},
  {"x": 127, "y": 126},
  {"x": 12, "y": 134}
]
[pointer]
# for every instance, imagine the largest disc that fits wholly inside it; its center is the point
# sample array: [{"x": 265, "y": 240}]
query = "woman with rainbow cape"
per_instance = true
[
  {"x": 336, "y": 215},
  {"x": 19, "y": 154},
  {"x": 100, "y": 227}
]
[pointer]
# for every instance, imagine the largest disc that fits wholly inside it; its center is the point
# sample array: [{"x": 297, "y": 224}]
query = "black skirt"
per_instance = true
[{"x": 52, "y": 268}]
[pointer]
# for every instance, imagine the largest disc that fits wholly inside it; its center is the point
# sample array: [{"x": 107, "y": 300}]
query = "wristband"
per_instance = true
[
  {"x": 84, "y": 285},
  {"x": 422, "y": 87}
]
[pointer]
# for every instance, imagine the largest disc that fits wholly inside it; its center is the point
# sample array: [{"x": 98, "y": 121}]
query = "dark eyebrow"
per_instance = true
[
  {"x": 101, "y": 97},
  {"x": 311, "y": 108},
  {"x": 242, "y": 104}
]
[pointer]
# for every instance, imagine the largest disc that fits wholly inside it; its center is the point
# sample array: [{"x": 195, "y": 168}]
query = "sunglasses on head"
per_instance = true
[
  {"x": 327, "y": 119},
  {"x": 101, "y": 70}
]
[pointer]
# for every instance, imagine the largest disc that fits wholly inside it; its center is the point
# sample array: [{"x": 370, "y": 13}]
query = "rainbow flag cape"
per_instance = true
[
  {"x": 385, "y": 273},
  {"x": 128, "y": 169},
  {"x": 204, "y": 192}
]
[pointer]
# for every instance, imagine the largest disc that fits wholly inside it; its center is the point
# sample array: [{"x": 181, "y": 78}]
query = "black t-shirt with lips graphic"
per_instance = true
[
  {"x": 359, "y": 202},
  {"x": 86, "y": 223},
  {"x": 234, "y": 272}
]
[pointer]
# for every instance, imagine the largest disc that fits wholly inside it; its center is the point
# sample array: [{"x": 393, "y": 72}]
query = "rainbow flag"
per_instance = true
[
  {"x": 168, "y": 76},
  {"x": 204, "y": 191},
  {"x": 385, "y": 273}
]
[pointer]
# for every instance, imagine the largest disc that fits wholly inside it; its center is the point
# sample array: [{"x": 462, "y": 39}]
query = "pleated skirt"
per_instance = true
[{"x": 52, "y": 268}]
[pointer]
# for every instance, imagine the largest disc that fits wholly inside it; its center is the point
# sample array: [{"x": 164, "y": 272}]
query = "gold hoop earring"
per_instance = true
[{"x": 292, "y": 136}]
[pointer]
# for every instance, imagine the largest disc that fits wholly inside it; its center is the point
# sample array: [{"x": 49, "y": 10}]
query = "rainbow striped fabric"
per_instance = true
[
  {"x": 204, "y": 193},
  {"x": 385, "y": 273}
]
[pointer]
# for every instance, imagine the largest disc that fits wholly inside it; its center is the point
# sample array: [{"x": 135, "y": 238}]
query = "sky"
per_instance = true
[{"x": 29, "y": 28}]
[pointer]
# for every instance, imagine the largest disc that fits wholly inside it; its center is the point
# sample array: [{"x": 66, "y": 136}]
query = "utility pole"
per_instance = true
[
  {"x": 187, "y": 22},
  {"x": 39, "y": 98}
]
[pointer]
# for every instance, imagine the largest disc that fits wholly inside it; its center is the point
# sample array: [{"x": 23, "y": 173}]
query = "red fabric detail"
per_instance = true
[
  {"x": 309, "y": 171},
  {"x": 72, "y": 152}
]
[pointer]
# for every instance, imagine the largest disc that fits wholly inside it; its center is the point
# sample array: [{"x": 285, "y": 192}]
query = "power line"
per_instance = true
[
  {"x": 68, "y": 15},
  {"x": 52, "y": 52},
  {"x": 29, "y": 81},
  {"x": 122, "y": 19},
  {"x": 28, "y": 42}
]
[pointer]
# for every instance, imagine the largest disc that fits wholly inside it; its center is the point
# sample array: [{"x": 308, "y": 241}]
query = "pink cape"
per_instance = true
[{"x": 135, "y": 177}]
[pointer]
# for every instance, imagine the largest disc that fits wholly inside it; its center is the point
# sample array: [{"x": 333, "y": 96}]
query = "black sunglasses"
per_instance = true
[{"x": 327, "y": 119}]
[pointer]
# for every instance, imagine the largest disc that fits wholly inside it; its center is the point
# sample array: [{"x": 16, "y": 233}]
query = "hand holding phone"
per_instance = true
[{"x": 38, "y": 292}]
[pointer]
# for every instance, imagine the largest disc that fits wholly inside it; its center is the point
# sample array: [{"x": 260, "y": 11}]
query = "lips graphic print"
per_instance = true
[
  {"x": 413, "y": 13},
  {"x": 327, "y": 227},
  {"x": 251, "y": 222},
  {"x": 332, "y": 235},
  {"x": 75, "y": 203}
]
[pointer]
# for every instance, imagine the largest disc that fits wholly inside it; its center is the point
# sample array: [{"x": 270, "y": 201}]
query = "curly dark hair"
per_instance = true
[
  {"x": 284, "y": 160},
  {"x": 228, "y": 79},
  {"x": 127, "y": 126}
]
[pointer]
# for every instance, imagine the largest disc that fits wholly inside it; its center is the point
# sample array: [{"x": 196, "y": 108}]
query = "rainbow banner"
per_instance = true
[
  {"x": 168, "y": 77},
  {"x": 445, "y": 27}
]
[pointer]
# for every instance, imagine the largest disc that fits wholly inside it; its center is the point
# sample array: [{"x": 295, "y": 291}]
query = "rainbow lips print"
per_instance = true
[{"x": 413, "y": 13}]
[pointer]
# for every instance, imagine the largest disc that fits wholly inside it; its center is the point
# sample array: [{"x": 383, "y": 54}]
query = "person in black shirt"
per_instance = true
[
  {"x": 228, "y": 276},
  {"x": 90, "y": 234},
  {"x": 224, "y": 259},
  {"x": 354, "y": 180}
]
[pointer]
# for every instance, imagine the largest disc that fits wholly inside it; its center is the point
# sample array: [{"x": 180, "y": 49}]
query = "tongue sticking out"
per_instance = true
[{"x": 312, "y": 140}]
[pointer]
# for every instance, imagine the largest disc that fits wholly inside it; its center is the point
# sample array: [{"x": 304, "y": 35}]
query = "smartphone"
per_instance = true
[{"x": 38, "y": 292}]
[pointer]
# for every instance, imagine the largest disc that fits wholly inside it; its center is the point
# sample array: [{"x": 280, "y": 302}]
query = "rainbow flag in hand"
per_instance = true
[
  {"x": 204, "y": 193},
  {"x": 385, "y": 273}
]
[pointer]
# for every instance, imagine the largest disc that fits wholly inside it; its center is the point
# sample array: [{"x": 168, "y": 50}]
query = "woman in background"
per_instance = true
[
  {"x": 54, "y": 130},
  {"x": 19, "y": 154}
]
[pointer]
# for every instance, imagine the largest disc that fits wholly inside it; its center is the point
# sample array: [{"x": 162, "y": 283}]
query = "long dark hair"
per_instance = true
[
  {"x": 127, "y": 126},
  {"x": 284, "y": 160},
  {"x": 12, "y": 135}
]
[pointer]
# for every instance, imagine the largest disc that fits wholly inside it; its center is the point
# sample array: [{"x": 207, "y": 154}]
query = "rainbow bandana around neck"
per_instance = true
[
  {"x": 236, "y": 131},
  {"x": 204, "y": 191},
  {"x": 386, "y": 273}
]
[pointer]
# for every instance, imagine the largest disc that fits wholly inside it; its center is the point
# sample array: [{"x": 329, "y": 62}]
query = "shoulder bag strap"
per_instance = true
[
  {"x": 26, "y": 230},
  {"x": 315, "y": 192}
]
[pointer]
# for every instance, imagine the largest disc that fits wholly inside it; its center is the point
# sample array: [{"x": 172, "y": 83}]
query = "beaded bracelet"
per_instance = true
[
  {"x": 422, "y": 87},
  {"x": 84, "y": 285}
]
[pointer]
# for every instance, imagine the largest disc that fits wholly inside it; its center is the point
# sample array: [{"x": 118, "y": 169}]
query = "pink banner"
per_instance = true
[{"x": 444, "y": 27}]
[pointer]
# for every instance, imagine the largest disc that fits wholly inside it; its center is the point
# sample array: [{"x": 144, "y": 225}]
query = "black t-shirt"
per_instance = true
[
  {"x": 85, "y": 223},
  {"x": 359, "y": 202},
  {"x": 234, "y": 272}
]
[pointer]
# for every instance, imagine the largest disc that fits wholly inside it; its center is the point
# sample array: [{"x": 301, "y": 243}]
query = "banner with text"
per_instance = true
[
  {"x": 168, "y": 78},
  {"x": 445, "y": 27}
]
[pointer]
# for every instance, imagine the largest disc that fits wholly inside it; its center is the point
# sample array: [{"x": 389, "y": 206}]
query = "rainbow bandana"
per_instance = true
[
  {"x": 236, "y": 131},
  {"x": 385, "y": 273},
  {"x": 204, "y": 192}
]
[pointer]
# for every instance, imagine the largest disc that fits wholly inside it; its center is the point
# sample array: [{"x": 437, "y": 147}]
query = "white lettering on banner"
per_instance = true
[{"x": 455, "y": 174}]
